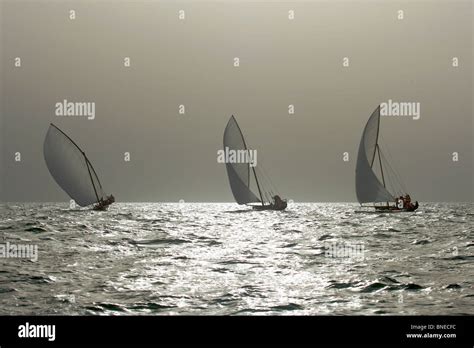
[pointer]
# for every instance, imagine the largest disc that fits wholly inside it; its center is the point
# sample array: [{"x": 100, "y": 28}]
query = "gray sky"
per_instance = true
[{"x": 282, "y": 62}]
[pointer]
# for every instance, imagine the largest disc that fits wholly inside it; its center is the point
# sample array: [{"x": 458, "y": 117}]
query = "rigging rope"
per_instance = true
[
  {"x": 272, "y": 187},
  {"x": 266, "y": 185},
  {"x": 397, "y": 175},
  {"x": 393, "y": 177}
]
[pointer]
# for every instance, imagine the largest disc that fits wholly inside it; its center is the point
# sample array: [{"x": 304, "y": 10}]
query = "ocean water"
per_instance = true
[{"x": 212, "y": 259}]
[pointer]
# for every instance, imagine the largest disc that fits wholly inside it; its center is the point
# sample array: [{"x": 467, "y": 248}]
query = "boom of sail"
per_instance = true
[
  {"x": 368, "y": 186},
  {"x": 71, "y": 168}
]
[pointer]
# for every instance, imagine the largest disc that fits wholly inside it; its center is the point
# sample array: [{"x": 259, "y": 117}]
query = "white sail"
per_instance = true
[
  {"x": 70, "y": 168},
  {"x": 239, "y": 173},
  {"x": 368, "y": 186}
]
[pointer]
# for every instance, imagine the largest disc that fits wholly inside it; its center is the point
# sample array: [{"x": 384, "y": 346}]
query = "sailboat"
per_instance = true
[
  {"x": 369, "y": 188},
  {"x": 72, "y": 170},
  {"x": 242, "y": 174}
]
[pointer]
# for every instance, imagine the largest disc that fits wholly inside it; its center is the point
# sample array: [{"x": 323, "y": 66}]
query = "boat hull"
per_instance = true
[
  {"x": 390, "y": 209},
  {"x": 100, "y": 207},
  {"x": 269, "y": 207},
  {"x": 396, "y": 209}
]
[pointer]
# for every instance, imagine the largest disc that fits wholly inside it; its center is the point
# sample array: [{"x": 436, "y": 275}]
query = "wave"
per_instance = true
[
  {"x": 373, "y": 287},
  {"x": 326, "y": 236},
  {"x": 413, "y": 286},
  {"x": 342, "y": 285},
  {"x": 236, "y": 262},
  {"x": 6, "y": 290},
  {"x": 389, "y": 284},
  {"x": 160, "y": 241},
  {"x": 35, "y": 229},
  {"x": 106, "y": 306},
  {"x": 421, "y": 242},
  {"x": 460, "y": 257},
  {"x": 152, "y": 306},
  {"x": 36, "y": 279},
  {"x": 287, "y": 307},
  {"x": 249, "y": 311},
  {"x": 453, "y": 286}
]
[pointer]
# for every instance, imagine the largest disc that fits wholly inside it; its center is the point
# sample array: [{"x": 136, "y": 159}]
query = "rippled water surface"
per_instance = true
[{"x": 224, "y": 259}]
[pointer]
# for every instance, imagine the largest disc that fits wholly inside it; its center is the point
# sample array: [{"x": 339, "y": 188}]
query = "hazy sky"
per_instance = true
[{"x": 282, "y": 62}]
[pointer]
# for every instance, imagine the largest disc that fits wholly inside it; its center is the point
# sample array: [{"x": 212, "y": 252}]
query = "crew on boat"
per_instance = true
[
  {"x": 278, "y": 203},
  {"x": 407, "y": 201},
  {"x": 110, "y": 199},
  {"x": 104, "y": 203},
  {"x": 404, "y": 202}
]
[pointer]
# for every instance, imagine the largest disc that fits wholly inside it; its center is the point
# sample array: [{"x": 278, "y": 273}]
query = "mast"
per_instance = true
[
  {"x": 380, "y": 162},
  {"x": 381, "y": 168},
  {"x": 377, "y": 148},
  {"x": 90, "y": 175},
  {"x": 93, "y": 171},
  {"x": 258, "y": 185},
  {"x": 376, "y": 139}
]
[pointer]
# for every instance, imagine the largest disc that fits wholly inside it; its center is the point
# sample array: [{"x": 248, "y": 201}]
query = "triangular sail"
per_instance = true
[
  {"x": 368, "y": 186},
  {"x": 239, "y": 173},
  {"x": 70, "y": 168}
]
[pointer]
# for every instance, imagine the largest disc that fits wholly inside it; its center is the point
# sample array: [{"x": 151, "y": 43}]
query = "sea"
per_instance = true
[{"x": 226, "y": 259}]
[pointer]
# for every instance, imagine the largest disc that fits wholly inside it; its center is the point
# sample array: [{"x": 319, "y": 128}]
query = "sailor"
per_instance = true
[
  {"x": 276, "y": 199},
  {"x": 407, "y": 200},
  {"x": 278, "y": 202},
  {"x": 107, "y": 201},
  {"x": 408, "y": 203}
]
